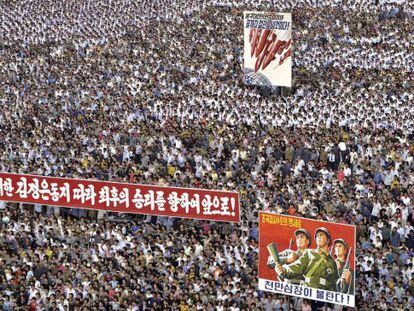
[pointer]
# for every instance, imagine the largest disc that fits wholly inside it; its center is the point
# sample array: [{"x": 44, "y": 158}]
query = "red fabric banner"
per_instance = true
[{"x": 121, "y": 197}]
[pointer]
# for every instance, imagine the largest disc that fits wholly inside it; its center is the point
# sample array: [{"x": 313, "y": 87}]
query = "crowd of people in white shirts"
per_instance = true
[{"x": 153, "y": 92}]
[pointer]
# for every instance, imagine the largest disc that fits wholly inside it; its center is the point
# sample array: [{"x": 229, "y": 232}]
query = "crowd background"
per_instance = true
[{"x": 152, "y": 92}]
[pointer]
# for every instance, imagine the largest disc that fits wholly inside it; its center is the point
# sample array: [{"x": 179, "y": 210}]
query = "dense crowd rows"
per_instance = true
[{"x": 152, "y": 92}]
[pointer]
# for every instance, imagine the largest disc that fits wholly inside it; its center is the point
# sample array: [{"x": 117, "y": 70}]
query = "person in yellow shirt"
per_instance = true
[
  {"x": 85, "y": 162},
  {"x": 228, "y": 174},
  {"x": 191, "y": 274},
  {"x": 395, "y": 184},
  {"x": 184, "y": 306},
  {"x": 214, "y": 176},
  {"x": 393, "y": 155},
  {"x": 48, "y": 253},
  {"x": 171, "y": 170}
]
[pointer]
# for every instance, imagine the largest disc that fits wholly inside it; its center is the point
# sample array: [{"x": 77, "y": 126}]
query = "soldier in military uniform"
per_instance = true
[
  {"x": 303, "y": 242},
  {"x": 344, "y": 284},
  {"x": 316, "y": 267}
]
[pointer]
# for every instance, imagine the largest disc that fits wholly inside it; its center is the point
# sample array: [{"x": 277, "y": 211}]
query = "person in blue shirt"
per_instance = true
[
  {"x": 395, "y": 238},
  {"x": 254, "y": 232},
  {"x": 378, "y": 178}
]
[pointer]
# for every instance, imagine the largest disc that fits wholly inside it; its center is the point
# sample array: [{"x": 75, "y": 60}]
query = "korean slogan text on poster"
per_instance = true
[
  {"x": 121, "y": 197},
  {"x": 268, "y": 48},
  {"x": 307, "y": 258}
]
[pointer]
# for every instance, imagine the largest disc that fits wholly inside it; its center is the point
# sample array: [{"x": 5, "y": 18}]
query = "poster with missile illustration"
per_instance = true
[{"x": 268, "y": 48}]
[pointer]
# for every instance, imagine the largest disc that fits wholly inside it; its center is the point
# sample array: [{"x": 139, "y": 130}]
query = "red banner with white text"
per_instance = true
[{"x": 121, "y": 197}]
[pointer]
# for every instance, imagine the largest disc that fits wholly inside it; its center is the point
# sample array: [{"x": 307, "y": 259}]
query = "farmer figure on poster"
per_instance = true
[
  {"x": 342, "y": 253},
  {"x": 316, "y": 267}
]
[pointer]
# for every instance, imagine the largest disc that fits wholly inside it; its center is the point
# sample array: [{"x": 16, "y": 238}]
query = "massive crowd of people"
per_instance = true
[{"x": 152, "y": 92}]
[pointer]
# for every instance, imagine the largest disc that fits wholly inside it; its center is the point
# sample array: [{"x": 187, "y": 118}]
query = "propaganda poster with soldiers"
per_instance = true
[{"x": 307, "y": 258}]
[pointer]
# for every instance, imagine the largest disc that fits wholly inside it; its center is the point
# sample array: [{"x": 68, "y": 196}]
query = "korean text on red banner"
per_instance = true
[{"x": 121, "y": 197}]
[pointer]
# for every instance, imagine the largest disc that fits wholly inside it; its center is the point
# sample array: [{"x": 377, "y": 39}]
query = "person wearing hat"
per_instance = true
[
  {"x": 303, "y": 242},
  {"x": 316, "y": 267},
  {"x": 288, "y": 256},
  {"x": 344, "y": 284}
]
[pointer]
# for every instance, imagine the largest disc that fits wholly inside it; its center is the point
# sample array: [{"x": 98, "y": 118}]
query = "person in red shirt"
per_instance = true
[
  {"x": 292, "y": 210},
  {"x": 340, "y": 175},
  {"x": 32, "y": 304}
]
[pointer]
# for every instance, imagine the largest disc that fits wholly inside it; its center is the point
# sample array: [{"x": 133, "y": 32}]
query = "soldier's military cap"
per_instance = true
[
  {"x": 324, "y": 230},
  {"x": 306, "y": 233},
  {"x": 342, "y": 241}
]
